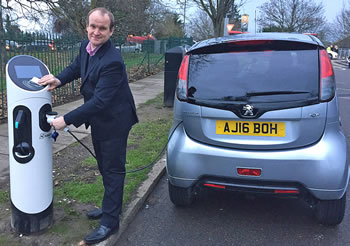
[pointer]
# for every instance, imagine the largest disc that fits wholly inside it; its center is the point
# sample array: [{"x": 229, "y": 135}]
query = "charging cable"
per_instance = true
[{"x": 66, "y": 129}]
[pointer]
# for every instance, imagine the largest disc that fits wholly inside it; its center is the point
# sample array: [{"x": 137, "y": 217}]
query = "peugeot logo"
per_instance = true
[{"x": 248, "y": 110}]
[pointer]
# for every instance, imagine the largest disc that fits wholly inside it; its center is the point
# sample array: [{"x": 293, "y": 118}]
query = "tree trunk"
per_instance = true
[
  {"x": 93, "y": 4},
  {"x": 218, "y": 27},
  {"x": 2, "y": 42}
]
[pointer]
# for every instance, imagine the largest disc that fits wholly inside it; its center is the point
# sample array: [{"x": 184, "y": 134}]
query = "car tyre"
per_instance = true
[
  {"x": 330, "y": 56},
  {"x": 180, "y": 196},
  {"x": 330, "y": 212}
]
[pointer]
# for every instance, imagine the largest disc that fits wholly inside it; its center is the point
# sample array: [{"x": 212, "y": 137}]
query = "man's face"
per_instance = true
[{"x": 98, "y": 28}]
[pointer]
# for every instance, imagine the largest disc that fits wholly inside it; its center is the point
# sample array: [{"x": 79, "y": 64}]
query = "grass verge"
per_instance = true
[
  {"x": 4, "y": 197},
  {"x": 146, "y": 140},
  {"x": 4, "y": 240}
]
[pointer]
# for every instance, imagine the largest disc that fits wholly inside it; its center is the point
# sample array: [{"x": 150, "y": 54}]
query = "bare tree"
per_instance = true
[
  {"x": 292, "y": 16},
  {"x": 130, "y": 16},
  {"x": 69, "y": 16},
  {"x": 201, "y": 27},
  {"x": 15, "y": 10},
  {"x": 184, "y": 5},
  {"x": 156, "y": 13},
  {"x": 31, "y": 10},
  {"x": 170, "y": 26},
  {"x": 217, "y": 11},
  {"x": 341, "y": 25}
]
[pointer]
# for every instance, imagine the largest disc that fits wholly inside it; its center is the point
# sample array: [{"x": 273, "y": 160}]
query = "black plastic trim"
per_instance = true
[
  {"x": 22, "y": 136},
  {"x": 264, "y": 187},
  {"x": 26, "y": 224},
  {"x": 45, "y": 109}
]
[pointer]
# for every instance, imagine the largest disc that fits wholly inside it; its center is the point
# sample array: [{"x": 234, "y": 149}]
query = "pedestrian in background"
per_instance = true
[
  {"x": 332, "y": 48},
  {"x": 108, "y": 108},
  {"x": 336, "y": 49}
]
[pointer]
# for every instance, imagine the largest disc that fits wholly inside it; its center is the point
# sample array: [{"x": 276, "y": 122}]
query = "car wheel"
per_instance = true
[
  {"x": 180, "y": 196},
  {"x": 330, "y": 212},
  {"x": 330, "y": 56}
]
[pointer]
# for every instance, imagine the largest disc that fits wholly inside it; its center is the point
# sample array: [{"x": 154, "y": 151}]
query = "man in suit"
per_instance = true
[{"x": 108, "y": 108}]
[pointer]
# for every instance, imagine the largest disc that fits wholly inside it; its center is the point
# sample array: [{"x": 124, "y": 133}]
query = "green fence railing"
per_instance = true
[{"x": 58, "y": 52}]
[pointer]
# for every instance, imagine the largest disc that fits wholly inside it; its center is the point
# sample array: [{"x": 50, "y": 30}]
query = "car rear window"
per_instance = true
[{"x": 256, "y": 75}]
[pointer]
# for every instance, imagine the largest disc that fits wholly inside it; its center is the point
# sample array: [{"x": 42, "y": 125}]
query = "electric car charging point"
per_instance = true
[{"x": 30, "y": 145}]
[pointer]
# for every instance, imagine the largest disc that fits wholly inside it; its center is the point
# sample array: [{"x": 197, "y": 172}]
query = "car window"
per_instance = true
[{"x": 236, "y": 74}]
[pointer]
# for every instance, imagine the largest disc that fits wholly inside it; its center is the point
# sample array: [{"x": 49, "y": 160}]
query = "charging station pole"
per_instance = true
[{"x": 30, "y": 145}]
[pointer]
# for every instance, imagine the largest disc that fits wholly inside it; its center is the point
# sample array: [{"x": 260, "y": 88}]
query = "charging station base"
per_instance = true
[{"x": 26, "y": 224}]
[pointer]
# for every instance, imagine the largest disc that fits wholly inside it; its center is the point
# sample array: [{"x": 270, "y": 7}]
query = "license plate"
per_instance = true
[{"x": 251, "y": 128}]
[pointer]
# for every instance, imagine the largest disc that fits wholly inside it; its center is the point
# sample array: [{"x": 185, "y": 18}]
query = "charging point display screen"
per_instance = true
[{"x": 25, "y": 72}]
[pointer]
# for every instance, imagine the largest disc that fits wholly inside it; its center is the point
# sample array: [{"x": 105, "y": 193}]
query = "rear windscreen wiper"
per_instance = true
[
  {"x": 223, "y": 99},
  {"x": 229, "y": 100},
  {"x": 269, "y": 93},
  {"x": 247, "y": 96}
]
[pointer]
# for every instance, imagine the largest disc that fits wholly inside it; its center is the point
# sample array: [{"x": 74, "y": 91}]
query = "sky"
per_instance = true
[{"x": 331, "y": 7}]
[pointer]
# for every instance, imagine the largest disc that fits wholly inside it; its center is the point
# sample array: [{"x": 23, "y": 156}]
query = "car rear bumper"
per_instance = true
[{"x": 320, "y": 169}]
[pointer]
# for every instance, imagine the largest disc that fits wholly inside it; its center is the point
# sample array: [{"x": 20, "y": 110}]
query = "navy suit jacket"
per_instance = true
[{"x": 109, "y": 106}]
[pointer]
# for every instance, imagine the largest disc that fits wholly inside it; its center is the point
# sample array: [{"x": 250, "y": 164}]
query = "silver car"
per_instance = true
[{"x": 258, "y": 113}]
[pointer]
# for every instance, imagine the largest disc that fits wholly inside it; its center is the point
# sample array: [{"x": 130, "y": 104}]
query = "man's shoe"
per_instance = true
[
  {"x": 100, "y": 234},
  {"x": 94, "y": 214}
]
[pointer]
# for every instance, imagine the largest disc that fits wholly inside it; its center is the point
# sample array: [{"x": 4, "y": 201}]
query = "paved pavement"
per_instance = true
[{"x": 142, "y": 90}]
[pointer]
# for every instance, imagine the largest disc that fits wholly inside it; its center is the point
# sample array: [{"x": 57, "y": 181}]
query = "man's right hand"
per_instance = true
[{"x": 50, "y": 80}]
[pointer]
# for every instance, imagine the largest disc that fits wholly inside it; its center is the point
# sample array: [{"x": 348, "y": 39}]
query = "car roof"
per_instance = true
[{"x": 295, "y": 37}]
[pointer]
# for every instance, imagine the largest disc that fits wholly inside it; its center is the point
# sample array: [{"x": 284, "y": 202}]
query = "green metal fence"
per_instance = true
[{"x": 58, "y": 52}]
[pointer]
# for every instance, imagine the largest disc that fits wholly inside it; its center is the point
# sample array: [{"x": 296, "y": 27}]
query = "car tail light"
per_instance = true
[
  {"x": 286, "y": 191},
  {"x": 249, "y": 171},
  {"x": 181, "y": 90},
  {"x": 327, "y": 81}
]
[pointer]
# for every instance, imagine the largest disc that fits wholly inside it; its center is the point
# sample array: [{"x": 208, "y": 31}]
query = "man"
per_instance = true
[{"x": 108, "y": 108}]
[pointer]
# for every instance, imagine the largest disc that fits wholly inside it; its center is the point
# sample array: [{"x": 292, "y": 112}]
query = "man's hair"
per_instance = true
[{"x": 103, "y": 11}]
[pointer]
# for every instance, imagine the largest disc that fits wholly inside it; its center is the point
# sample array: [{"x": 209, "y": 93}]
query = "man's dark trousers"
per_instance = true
[
  {"x": 110, "y": 111},
  {"x": 111, "y": 157}
]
